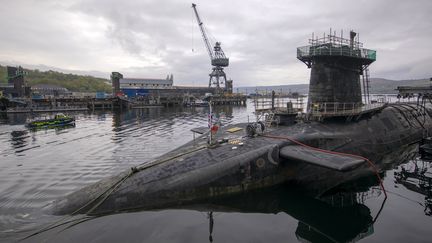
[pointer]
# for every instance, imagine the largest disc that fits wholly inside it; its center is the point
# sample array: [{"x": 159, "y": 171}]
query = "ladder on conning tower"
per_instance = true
[
  {"x": 269, "y": 119},
  {"x": 366, "y": 86}
]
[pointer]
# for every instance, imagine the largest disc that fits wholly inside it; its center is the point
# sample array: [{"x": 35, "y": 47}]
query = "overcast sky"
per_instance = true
[{"x": 151, "y": 38}]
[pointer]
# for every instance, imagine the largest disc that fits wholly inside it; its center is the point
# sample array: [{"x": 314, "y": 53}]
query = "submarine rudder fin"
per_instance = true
[{"x": 328, "y": 160}]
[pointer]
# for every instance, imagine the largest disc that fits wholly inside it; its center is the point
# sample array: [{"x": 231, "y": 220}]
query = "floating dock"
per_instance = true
[{"x": 55, "y": 109}]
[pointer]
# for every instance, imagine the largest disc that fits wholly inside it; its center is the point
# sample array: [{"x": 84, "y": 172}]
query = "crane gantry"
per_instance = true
[{"x": 217, "y": 56}]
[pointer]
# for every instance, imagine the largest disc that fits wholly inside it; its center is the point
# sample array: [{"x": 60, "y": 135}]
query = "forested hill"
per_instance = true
[{"x": 73, "y": 82}]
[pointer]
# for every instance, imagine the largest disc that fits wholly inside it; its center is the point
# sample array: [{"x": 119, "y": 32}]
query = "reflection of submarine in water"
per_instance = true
[
  {"x": 320, "y": 220},
  {"x": 339, "y": 125},
  {"x": 339, "y": 216},
  {"x": 418, "y": 179}
]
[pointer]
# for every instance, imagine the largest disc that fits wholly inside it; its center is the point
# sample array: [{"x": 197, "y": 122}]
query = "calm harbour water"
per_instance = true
[{"x": 37, "y": 167}]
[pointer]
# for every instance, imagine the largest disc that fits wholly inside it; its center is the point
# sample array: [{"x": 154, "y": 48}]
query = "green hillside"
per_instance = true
[{"x": 72, "y": 82}]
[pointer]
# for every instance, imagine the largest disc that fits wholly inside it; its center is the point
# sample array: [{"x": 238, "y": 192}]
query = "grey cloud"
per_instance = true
[{"x": 260, "y": 37}]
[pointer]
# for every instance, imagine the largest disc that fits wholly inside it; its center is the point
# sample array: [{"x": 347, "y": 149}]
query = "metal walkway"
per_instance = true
[{"x": 343, "y": 109}]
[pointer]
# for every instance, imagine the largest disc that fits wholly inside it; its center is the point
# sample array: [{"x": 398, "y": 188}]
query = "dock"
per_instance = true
[
  {"x": 405, "y": 91},
  {"x": 55, "y": 109},
  {"x": 229, "y": 100},
  {"x": 63, "y": 104}
]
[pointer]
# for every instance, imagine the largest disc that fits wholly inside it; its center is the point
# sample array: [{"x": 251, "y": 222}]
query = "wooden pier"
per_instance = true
[
  {"x": 229, "y": 100},
  {"x": 59, "y": 104}
]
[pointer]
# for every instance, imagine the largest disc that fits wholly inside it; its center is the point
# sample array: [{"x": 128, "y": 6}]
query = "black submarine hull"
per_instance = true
[{"x": 195, "y": 172}]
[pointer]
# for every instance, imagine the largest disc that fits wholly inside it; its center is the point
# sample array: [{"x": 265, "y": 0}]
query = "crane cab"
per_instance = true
[{"x": 220, "y": 62}]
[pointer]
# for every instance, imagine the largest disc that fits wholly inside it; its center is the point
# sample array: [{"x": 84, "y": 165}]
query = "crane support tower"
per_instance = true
[{"x": 217, "y": 57}]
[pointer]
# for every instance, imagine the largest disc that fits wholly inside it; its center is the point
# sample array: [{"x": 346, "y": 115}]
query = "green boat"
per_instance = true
[{"x": 58, "y": 120}]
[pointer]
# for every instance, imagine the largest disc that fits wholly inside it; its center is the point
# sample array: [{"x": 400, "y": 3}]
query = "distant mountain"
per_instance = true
[
  {"x": 73, "y": 82},
  {"x": 377, "y": 86}
]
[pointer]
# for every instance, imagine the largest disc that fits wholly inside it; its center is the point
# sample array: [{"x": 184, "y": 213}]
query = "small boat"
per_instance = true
[{"x": 58, "y": 120}]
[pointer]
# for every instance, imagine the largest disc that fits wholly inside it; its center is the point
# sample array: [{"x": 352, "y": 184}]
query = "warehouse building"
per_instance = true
[{"x": 132, "y": 87}]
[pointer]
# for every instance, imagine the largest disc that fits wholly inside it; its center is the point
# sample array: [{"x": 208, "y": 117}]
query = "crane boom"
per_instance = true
[{"x": 204, "y": 35}]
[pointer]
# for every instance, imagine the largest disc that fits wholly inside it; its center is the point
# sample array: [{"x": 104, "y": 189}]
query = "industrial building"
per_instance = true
[
  {"x": 16, "y": 86},
  {"x": 163, "y": 92},
  {"x": 132, "y": 87},
  {"x": 140, "y": 87},
  {"x": 49, "y": 90}
]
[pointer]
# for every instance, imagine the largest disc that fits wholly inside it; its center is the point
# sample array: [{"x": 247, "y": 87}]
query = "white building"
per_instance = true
[{"x": 146, "y": 83}]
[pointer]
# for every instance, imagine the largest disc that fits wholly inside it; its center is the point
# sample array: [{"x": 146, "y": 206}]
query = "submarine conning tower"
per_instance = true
[{"x": 336, "y": 65}]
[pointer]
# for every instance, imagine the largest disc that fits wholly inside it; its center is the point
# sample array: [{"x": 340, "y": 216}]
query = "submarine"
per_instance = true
[
  {"x": 327, "y": 218},
  {"x": 339, "y": 139}
]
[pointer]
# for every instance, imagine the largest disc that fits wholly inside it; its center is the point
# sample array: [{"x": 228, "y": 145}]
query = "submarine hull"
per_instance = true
[{"x": 195, "y": 172}]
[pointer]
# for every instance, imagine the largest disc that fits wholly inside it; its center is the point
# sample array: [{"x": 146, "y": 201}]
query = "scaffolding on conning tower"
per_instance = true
[{"x": 333, "y": 45}]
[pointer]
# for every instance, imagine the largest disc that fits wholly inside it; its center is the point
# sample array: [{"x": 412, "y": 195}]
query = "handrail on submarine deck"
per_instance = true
[
  {"x": 280, "y": 104},
  {"x": 343, "y": 109}
]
